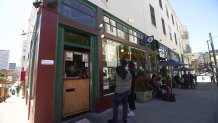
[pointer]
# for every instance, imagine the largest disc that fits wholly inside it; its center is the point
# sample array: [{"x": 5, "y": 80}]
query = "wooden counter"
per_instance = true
[{"x": 75, "y": 96}]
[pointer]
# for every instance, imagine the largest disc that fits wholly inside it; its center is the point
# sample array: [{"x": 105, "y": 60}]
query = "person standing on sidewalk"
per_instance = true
[
  {"x": 191, "y": 80},
  {"x": 186, "y": 80},
  {"x": 123, "y": 79},
  {"x": 132, "y": 95}
]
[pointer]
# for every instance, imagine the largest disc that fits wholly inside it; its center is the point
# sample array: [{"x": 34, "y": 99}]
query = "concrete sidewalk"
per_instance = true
[
  {"x": 13, "y": 110},
  {"x": 198, "y": 105}
]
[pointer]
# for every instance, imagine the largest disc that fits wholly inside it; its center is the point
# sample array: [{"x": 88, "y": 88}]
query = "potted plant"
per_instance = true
[{"x": 142, "y": 88}]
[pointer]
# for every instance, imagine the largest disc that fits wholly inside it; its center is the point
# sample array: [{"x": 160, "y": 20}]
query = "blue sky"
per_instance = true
[
  {"x": 200, "y": 17},
  {"x": 14, "y": 19}
]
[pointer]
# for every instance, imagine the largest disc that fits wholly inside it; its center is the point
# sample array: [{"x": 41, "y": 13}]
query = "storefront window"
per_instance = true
[
  {"x": 112, "y": 52},
  {"x": 110, "y": 61}
]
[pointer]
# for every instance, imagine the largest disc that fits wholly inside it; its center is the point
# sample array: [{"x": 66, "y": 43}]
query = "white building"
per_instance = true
[{"x": 152, "y": 17}]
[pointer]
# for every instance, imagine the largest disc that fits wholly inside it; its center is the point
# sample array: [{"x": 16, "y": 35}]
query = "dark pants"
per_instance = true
[
  {"x": 131, "y": 100},
  {"x": 192, "y": 84},
  {"x": 120, "y": 98}
]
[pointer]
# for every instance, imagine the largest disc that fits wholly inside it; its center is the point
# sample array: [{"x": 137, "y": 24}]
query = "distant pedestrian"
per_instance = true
[
  {"x": 18, "y": 90},
  {"x": 185, "y": 80},
  {"x": 195, "y": 78},
  {"x": 123, "y": 79},
  {"x": 191, "y": 80}
]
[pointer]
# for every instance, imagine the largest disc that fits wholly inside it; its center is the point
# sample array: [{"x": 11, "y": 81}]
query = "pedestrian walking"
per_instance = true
[
  {"x": 123, "y": 79},
  {"x": 191, "y": 80}
]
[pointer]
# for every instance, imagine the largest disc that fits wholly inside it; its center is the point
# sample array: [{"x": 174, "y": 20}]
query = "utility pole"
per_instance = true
[
  {"x": 214, "y": 55},
  {"x": 210, "y": 64}
]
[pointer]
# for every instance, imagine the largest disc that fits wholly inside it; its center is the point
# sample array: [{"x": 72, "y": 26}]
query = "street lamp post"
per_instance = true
[{"x": 214, "y": 56}]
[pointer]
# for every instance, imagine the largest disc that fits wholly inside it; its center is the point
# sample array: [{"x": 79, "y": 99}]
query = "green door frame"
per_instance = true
[{"x": 59, "y": 64}]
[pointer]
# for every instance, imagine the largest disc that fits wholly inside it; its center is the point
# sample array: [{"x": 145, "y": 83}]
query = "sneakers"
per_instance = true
[{"x": 131, "y": 114}]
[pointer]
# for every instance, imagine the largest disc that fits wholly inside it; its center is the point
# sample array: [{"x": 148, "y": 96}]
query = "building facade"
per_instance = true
[
  {"x": 12, "y": 66},
  {"x": 94, "y": 35},
  {"x": 4, "y": 61}
]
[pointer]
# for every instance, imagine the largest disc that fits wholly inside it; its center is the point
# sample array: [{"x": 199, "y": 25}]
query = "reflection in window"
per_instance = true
[
  {"x": 121, "y": 31},
  {"x": 110, "y": 29},
  {"x": 112, "y": 51},
  {"x": 79, "y": 12}
]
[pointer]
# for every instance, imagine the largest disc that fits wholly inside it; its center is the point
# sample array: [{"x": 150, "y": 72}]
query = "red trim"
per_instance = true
[
  {"x": 43, "y": 110},
  {"x": 100, "y": 19},
  {"x": 65, "y": 21},
  {"x": 103, "y": 103}
]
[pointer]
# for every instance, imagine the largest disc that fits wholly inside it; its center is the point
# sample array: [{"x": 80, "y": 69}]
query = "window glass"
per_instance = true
[
  {"x": 134, "y": 33},
  {"x": 78, "y": 16},
  {"x": 160, "y": 2},
  {"x": 79, "y": 6},
  {"x": 163, "y": 26},
  {"x": 132, "y": 39},
  {"x": 72, "y": 37},
  {"x": 112, "y": 22},
  {"x": 112, "y": 51},
  {"x": 106, "y": 19},
  {"x": 119, "y": 26},
  {"x": 130, "y": 31},
  {"x": 120, "y": 34},
  {"x": 110, "y": 29},
  {"x": 87, "y": 10},
  {"x": 125, "y": 29},
  {"x": 73, "y": 3},
  {"x": 152, "y": 15},
  {"x": 110, "y": 56}
]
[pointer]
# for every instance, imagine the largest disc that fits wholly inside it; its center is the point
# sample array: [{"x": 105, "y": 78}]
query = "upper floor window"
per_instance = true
[
  {"x": 110, "y": 26},
  {"x": 160, "y": 2},
  {"x": 152, "y": 15},
  {"x": 77, "y": 11},
  {"x": 163, "y": 25},
  {"x": 172, "y": 18},
  {"x": 175, "y": 38},
  {"x": 167, "y": 12},
  {"x": 120, "y": 30},
  {"x": 170, "y": 32}
]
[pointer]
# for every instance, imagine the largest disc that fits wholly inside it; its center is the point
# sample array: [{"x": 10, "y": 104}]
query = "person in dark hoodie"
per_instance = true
[{"x": 123, "y": 79}]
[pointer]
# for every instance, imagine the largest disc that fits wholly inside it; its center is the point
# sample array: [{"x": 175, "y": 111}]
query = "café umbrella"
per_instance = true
[
  {"x": 183, "y": 69},
  {"x": 171, "y": 63}
]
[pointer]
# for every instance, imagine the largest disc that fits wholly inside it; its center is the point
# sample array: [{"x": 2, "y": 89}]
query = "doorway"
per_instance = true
[{"x": 76, "y": 77}]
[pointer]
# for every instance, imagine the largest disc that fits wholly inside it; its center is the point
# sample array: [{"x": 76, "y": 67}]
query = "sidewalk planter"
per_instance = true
[
  {"x": 143, "y": 97},
  {"x": 142, "y": 88}
]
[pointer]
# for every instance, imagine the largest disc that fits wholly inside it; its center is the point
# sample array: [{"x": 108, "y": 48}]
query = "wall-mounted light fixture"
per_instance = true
[
  {"x": 130, "y": 19},
  {"x": 37, "y": 4},
  {"x": 102, "y": 36},
  {"x": 100, "y": 25}
]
